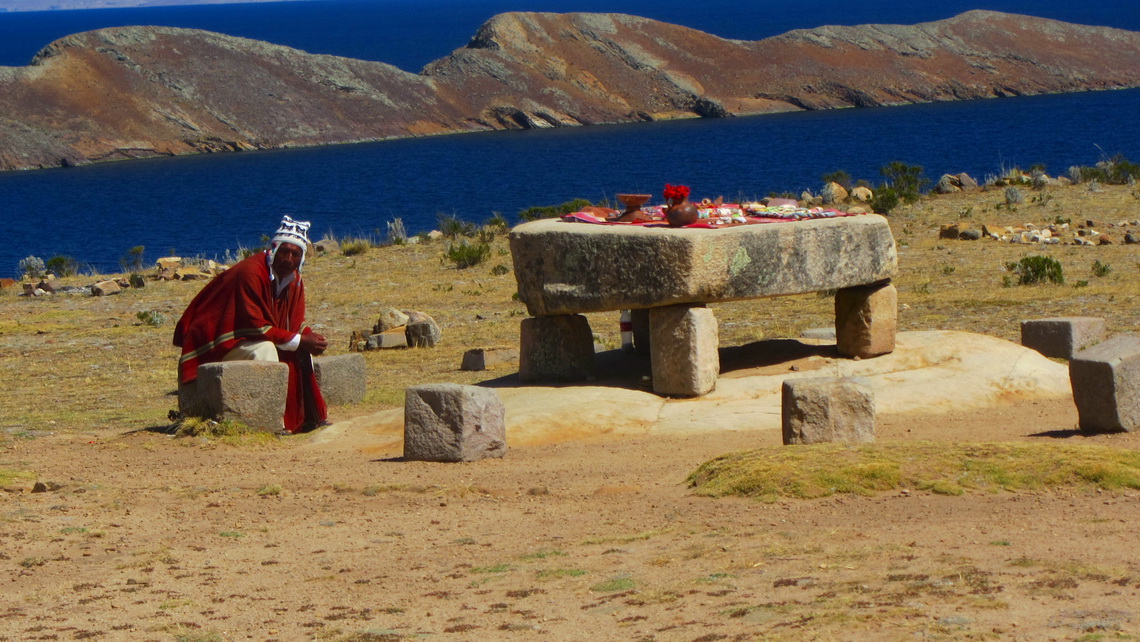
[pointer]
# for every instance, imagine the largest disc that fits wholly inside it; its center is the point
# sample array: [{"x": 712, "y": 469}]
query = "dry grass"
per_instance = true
[{"x": 73, "y": 363}]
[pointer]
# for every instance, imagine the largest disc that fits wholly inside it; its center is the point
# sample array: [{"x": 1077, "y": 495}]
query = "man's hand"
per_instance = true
[{"x": 313, "y": 343}]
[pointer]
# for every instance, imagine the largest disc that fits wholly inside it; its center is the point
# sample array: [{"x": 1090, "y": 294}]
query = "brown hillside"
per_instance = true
[{"x": 144, "y": 91}]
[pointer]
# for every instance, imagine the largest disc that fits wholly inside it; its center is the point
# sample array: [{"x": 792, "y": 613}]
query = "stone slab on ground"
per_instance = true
[
  {"x": 453, "y": 422},
  {"x": 565, "y": 268},
  {"x": 818, "y": 410},
  {"x": 1106, "y": 385},
  {"x": 490, "y": 358},
  {"x": 341, "y": 377},
  {"x": 930, "y": 372},
  {"x": 252, "y": 392},
  {"x": 1061, "y": 337}
]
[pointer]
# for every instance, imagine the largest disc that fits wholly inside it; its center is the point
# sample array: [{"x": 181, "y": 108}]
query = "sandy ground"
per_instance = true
[{"x": 149, "y": 537}]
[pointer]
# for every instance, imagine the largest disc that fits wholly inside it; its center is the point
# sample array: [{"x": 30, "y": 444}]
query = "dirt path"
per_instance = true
[{"x": 154, "y": 538}]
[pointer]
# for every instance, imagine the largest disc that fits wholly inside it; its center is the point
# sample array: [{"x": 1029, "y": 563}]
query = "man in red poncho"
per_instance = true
[{"x": 256, "y": 310}]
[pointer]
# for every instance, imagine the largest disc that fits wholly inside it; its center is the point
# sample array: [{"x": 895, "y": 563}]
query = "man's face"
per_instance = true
[{"x": 287, "y": 260}]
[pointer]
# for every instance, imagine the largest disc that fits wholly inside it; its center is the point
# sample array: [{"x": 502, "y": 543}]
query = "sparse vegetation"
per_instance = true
[
  {"x": 807, "y": 472},
  {"x": 355, "y": 247},
  {"x": 31, "y": 267},
  {"x": 553, "y": 211},
  {"x": 1031, "y": 270},
  {"x": 1100, "y": 269},
  {"x": 464, "y": 254}
]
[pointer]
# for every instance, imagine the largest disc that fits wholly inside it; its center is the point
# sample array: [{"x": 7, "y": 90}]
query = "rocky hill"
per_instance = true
[{"x": 134, "y": 92}]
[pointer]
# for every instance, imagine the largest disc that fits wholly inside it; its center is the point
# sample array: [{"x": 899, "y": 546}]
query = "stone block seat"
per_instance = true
[{"x": 565, "y": 269}]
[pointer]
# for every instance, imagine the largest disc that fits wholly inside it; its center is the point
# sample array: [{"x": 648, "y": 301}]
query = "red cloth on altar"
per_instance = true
[{"x": 239, "y": 305}]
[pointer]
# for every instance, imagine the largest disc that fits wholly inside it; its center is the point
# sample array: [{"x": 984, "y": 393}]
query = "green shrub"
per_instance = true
[
  {"x": 1031, "y": 270},
  {"x": 553, "y": 211},
  {"x": 62, "y": 266},
  {"x": 906, "y": 180},
  {"x": 500, "y": 270},
  {"x": 839, "y": 177},
  {"x": 1100, "y": 269},
  {"x": 132, "y": 261},
  {"x": 465, "y": 255},
  {"x": 453, "y": 228},
  {"x": 886, "y": 199}
]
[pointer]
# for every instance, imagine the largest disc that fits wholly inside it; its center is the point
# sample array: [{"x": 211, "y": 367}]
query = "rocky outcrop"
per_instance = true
[{"x": 133, "y": 92}]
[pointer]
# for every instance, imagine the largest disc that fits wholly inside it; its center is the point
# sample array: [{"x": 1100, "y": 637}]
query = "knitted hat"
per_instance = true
[{"x": 294, "y": 232}]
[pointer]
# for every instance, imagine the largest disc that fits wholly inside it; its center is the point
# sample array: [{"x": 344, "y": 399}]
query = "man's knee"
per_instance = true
[{"x": 253, "y": 351}]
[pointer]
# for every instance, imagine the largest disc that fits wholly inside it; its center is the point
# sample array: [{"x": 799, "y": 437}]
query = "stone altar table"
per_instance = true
[{"x": 668, "y": 275}]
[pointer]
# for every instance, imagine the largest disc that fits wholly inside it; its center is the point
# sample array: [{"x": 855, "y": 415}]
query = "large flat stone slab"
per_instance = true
[
  {"x": 565, "y": 268},
  {"x": 932, "y": 372}
]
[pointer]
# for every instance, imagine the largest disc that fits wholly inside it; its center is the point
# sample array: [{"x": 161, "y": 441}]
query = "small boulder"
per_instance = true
[
  {"x": 453, "y": 422},
  {"x": 389, "y": 318},
  {"x": 489, "y": 358},
  {"x": 833, "y": 193},
  {"x": 105, "y": 288},
  {"x": 862, "y": 194},
  {"x": 423, "y": 334}
]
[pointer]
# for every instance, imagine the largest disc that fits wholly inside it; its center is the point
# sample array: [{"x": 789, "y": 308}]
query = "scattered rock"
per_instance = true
[
  {"x": 389, "y": 318},
  {"x": 453, "y": 422},
  {"x": 833, "y": 193},
  {"x": 106, "y": 288},
  {"x": 828, "y": 409},
  {"x": 489, "y": 358},
  {"x": 862, "y": 194}
]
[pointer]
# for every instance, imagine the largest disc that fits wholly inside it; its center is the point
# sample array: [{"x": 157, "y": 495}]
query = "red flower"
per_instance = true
[{"x": 676, "y": 192}]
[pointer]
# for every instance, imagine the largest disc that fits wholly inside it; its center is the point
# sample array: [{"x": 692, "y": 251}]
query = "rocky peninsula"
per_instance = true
[{"x": 136, "y": 92}]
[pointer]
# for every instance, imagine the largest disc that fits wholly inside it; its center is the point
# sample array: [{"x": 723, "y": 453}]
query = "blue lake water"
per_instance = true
[{"x": 203, "y": 205}]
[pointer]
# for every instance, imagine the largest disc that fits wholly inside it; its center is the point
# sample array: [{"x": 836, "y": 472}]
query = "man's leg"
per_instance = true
[{"x": 253, "y": 351}]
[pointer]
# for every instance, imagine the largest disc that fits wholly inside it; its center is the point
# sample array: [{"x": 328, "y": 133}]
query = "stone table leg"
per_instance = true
[
  {"x": 556, "y": 348},
  {"x": 683, "y": 350},
  {"x": 866, "y": 319}
]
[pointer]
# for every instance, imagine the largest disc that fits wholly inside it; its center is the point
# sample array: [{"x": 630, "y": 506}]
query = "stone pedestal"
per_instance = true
[
  {"x": 1061, "y": 337},
  {"x": 341, "y": 378},
  {"x": 453, "y": 422},
  {"x": 1106, "y": 385},
  {"x": 556, "y": 348},
  {"x": 252, "y": 392},
  {"x": 866, "y": 320},
  {"x": 826, "y": 409},
  {"x": 683, "y": 350}
]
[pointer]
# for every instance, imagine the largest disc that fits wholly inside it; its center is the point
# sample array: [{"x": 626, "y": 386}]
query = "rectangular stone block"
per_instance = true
[
  {"x": 828, "y": 409},
  {"x": 1061, "y": 337},
  {"x": 453, "y": 422},
  {"x": 556, "y": 348},
  {"x": 341, "y": 377},
  {"x": 489, "y": 358},
  {"x": 683, "y": 347},
  {"x": 252, "y": 392},
  {"x": 395, "y": 338},
  {"x": 1106, "y": 385},
  {"x": 866, "y": 320}
]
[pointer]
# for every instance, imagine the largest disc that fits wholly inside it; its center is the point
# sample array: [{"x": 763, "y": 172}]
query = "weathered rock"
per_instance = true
[
  {"x": 136, "y": 281},
  {"x": 952, "y": 230},
  {"x": 105, "y": 288},
  {"x": 1131, "y": 238},
  {"x": 251, "y": 392},
  {"x": 168, "y": 263},
  {"x": 566, "y": 268},
  {"x": 1104, "y": 239},
  {"x": 1106, "y": 385},
  {"x": 394, "y": 338},
  {"x": 970, "y": 235},
  {"x": 327, "y": 246},
  {"x": 684, "y": 350},
  {"x": 833, "y": 193},
  {"x": 453, "y": 422},
  {"x": 389, "y": 318},
  {"x": 947, "y": 184},
  {"x": 190, "y": 273},
  {"x": 967, "y": 182},
  {"x": 341, "y": 377},
  {"x": 1062, "y": 337},
  {"x": 358, "y": 342},
  {"x": 862, "y": 194},
  {"x": 828, "y": 409},
  {"x": 423, "y": 334},
  {"x": 556, "y": 348},
  {"x": 866, "y": 320},
  {"x": 489, "y": 358}
]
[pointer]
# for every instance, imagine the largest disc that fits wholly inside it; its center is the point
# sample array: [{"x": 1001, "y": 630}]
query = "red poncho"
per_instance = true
[{"x": 237, "y": 305}]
